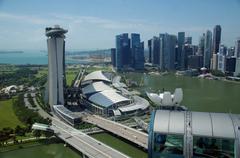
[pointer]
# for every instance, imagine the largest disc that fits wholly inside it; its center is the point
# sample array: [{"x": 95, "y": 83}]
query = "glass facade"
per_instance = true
[
  {"x": 167, "y": 51},
  {"x": 168, "y": 145},
  {"x": 213, "y": 147},
  {"x": 123, "y": 56},
  {"x": 216, "y": 38},
  {"x": 129, "y": 52},
  {"x": 137, "y": 52},
  {"x": 155, "y": 51},
  {"x": 172, "y": 138},
  {"x": 207, "y": 49},
  {"x": 181, "y": 38}
]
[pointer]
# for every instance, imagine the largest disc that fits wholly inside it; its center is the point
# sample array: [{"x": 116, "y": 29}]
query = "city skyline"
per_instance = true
[{"x": 94, "y": 22}]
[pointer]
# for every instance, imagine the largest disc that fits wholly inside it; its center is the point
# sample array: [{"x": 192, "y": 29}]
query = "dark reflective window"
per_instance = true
[
  {"x": 168, "y": 145},
  {"x": 213, "y": 147}
]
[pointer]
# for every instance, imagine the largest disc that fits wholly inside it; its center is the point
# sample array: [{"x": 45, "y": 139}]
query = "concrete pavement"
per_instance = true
[
  {"x": 84, "y": 143},
  {"x": 126, "y": 132}
]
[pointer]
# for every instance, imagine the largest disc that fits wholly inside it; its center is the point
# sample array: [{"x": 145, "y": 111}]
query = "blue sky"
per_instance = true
[{"x": 93, "y": 24}]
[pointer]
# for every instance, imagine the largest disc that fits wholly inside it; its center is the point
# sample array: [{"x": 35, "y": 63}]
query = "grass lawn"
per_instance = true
[
  {"x": 7, "y": 115},
  {"x": 39, "y": 150},
  {"x": 120, "y": 145},
  {"x": 42, "y": 72},
  {"x": 70, "y": 75},
  {"x": 97, "y": 68},
  {"x": 7, "y": 69}
]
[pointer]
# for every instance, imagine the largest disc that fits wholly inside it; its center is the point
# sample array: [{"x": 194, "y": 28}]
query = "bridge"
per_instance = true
[
  {"x": 141, "y": 124},
  {"x": 131, "y": 134},
  {"x": 87, "y": 145}
]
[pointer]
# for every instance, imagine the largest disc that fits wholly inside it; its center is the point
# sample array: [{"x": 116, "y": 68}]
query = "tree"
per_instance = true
[
  {"x": 48, "y": 134},
  {"x": 217, "y": 73},
  {"x": 20, "y": 131},
  {"x": 14, "y": 139},
  {"x": 37, "y": 133},
  {"x": 5, "y": 134}
]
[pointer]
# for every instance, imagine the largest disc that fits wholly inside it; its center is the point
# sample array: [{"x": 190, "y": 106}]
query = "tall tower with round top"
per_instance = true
[{"x": 56, "y": 64}]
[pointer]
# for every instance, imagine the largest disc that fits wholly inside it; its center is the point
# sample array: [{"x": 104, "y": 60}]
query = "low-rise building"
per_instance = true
[{"x": 100, "y": 96}]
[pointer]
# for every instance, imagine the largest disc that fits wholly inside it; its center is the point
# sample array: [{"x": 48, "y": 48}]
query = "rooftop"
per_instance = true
[
  {"x": 107, "y": 98},
  {"x": 96, "y": 87},
  {"x": 65, "y": 111},
  {"x": 203, "y": 123},
  {"x": 96, "y": 75}
]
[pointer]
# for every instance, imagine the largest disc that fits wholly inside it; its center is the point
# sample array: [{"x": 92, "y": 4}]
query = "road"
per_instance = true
[
  {"x": 126, "y": 132},
  {"x": 38, "y": 108},
  {"x": 41, "y": 112},
  {"x": 27, "y": 103},
  {"x": 84, "y": 143}
]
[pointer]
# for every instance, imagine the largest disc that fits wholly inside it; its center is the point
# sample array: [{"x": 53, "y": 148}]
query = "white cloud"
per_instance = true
[
  {"x": 85, "y": 32},
  {"x": 26, "y": 18}
]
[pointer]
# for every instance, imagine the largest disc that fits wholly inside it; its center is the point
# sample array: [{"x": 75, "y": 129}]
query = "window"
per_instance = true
[
  {"x": 168, "y": 145},
  {"x": 213, "y": 147}
]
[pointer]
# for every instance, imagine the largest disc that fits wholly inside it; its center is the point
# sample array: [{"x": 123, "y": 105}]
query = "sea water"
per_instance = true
[{"x": 28, "y": 57}]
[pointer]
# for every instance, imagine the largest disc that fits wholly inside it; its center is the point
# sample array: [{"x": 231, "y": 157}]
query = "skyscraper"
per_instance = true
[
  {"x": 223, "y": 50},
  {"x": 230, "y": 65},
  {"x": 201, "y": 45},
  {"x": 237, "y": 48},
  {"x": 195, "y": 61},
  {"x": 113, "y": 56},
  {"x": 161, "y": 51},
  {"x": 137, "y": 51},
  {"x": 167, "y": 51},
  {"x": 221, "y": 62},
  {"x": 221, "y": 58},
  {"x": 207, "y": 49},
  {"x": 237, "y": 68},
  {"x": 187, "y": 51},
  {"x": 155, "y": 51},
  {"x": 150, "y": 51},
  {"x": 188, "y": 40},
  {"x": 119, "y": 62},
  {"x": 216, "y": 43},
  {"x": 216, "y": 38},
  {"x": 127, "y": 57},
  {"x": 231, "y": 51},
  {"x": 129, "y": 52},
  {"x": 123, "y": 54},
  {"x": 180, "y": 43},
  {"x": 214, "y": 61},
  {"x": 56, "y": 64}
]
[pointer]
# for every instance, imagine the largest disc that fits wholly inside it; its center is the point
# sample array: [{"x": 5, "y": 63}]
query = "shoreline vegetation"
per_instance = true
[{"x": 26, "y": 142}]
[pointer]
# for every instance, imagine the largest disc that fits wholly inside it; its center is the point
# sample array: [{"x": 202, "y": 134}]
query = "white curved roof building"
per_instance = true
[
  {"x": 166, "y": 98},
  {"x": 101, "y": 97},
  {"x": 96, "y": 87},
  {"x": 9, "y": 89},
  {"x": 97, "y": 76},
  {"x": 139, "y": 104},
  {"x": 107, "y": 98}
]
